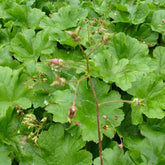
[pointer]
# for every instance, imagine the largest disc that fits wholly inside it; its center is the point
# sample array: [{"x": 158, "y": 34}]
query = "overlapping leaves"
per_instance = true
[
  {"x": 152, "y": 94},
  {"x": 131, "y": 67},
  {"x": 122, "y": 61},
  {"x": 55, "y": 147},
  {"x": 27, "y": 45}
]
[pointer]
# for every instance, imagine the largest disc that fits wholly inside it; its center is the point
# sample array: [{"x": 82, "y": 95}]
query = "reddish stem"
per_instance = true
[
  {"x": 97, "y": 105},
  {"x": 69, "y": 66},
  {"x": 75, "y": 94},
  {"x": 98, "y": 120}
]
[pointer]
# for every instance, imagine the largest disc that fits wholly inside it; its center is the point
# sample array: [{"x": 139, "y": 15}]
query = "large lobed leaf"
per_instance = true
[
  {"x": 152, "y": 93},
  {"x": 149, "y": 148},
  {"x": 122, "y": 61},
  {"x": 56, "y": 147},
  {"x": 27, "y": 46}
]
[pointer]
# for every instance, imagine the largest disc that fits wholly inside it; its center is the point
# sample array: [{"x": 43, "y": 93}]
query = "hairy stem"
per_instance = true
[
  {"x": 97, "y": 45},
  {"x": 77, "y": 63},
  {"x": 98, "y": 120},
  {"x": 116, "y": 101},
  {"x": 68, "y": 66},
  {"x": 43, "y": 87},
  {"x": 96, "y": 102},
  {"x": 75, "y": 94}
]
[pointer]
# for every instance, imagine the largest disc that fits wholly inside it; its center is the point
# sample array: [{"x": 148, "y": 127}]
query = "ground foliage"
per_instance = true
[{"x": 50, "y": 54}]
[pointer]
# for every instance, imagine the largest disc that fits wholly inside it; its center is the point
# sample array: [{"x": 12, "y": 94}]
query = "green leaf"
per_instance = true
[
  {"x": 62, "y": 37},
  {"x": 144, "y": 34},
  {"x": 4, "y": 155},
  {"x": 55, "y": 147},
  {"x": 64, "y": 149},
  {"x": 62, "y": 100},
  {"x": 11, "y": 90},
  {"x": 23, "y": 16},
  {"x": 40, "y": 92},
  {"x": 86, "y": 113},
  {"x": 152, "y": 94},
  {"x": 6, "y": 59},
  {"x": 114, "y": 156},
  {"x": 9, "y": 127},
  {"x": 159, "y": 55},
  {"x": 134, "y": 14},
  {"x": 140, "y": 13},
  {"x": 157, "y": 23},
  {"x": 4, "y": 6},
  {"x": 67, "y": 17},
  {"x": 151, "y": 145},
  {"x": 28, "y": 46},
  {"x": 122, "y": 61}
]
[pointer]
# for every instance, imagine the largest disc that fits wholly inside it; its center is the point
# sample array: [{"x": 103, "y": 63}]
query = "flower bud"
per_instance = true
[
  {"x": 136, "y": 101},
  {"x": 105, "y": 127},
  {"x": 120, "y": 145},
  {"x": 55, "y": 83},
  {"x": 44, "y": 119},
  {"x": 106, "y": 37},
  {"x": 42, "y": 74},
  {"x": 77, "y": 123},
  {"x": 71, "y": 33},
  {"x": 105, "y": 117},
  {"x": 116, "y": 117},
  {"x": 31, "y": 87},
  {"x": 45, "y": 79},
  {"x": 35, "y": 138},
  {"x": 72, "y": 112},
  {"x": 62, "y": 81},
  {"x": 56, "y": 61}
]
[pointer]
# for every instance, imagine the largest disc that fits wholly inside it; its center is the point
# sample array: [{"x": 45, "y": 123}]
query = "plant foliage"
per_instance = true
[{"x": 82, "y": 82}]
